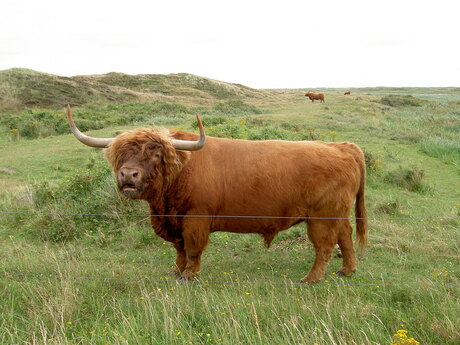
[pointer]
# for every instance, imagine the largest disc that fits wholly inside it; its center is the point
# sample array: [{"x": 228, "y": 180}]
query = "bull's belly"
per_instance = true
[
  {"x": 248, "y": 224},
  {"x": 247, "y": 218}
]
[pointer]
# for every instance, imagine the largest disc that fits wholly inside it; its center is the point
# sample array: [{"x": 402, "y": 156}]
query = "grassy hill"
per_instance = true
[
  {"x": 80, "y": 264},
  {"x": 22, "y": 88}
]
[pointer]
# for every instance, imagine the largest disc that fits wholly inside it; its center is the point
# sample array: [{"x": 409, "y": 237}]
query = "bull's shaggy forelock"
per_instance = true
[{"x": 124, "y": 144}]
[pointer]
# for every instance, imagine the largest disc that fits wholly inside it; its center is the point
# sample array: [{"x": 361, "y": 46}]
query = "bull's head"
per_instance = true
[{"x": 143, "y": 159}]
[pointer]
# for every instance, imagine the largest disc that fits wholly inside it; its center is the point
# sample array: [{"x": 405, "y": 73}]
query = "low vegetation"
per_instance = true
[
  {"x": 42, "y": 123},
  {"x": 401, "y": 101},
  {"x": 81, "y": 264}
]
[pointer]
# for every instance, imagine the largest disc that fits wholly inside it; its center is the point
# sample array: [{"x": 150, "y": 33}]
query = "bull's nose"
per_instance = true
[{"x": 129, "y": 174}]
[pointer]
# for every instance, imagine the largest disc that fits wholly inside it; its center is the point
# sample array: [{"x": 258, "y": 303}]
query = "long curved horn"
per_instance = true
[
  {"x": 90, "y": 141},
  {"x": 187, "y": 145}
]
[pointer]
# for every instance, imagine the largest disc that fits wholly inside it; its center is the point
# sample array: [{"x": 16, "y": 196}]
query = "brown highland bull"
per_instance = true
[
  {"x": 315, "y": 96},
  {"x": 241, "y": 186}
]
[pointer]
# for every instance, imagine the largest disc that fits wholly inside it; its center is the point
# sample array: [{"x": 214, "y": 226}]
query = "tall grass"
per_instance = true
[
  {"x": 445, "y": 149},
  {"x": 65, "y": 310}
]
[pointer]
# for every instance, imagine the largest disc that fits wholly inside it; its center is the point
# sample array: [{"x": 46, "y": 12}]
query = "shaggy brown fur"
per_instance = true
[
  {"x": 314, "y": 96},
  {"x": 241, "y": 178}
]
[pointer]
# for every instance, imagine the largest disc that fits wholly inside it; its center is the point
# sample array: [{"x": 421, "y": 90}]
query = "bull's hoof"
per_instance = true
[
  {"x": 176, "y": 270},
  {"x": 338, "y": 255},
  {"x": 182, "y": 279},
  {"x": 188, "y": 275},
  {"x": 310, "y": 280},
  {"x": 342, "y": 274},
  {"x": 310, "y": 283}
]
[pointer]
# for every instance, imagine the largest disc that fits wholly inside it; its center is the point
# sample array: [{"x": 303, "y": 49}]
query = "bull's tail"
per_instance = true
[{"x": 360, "y": 208}]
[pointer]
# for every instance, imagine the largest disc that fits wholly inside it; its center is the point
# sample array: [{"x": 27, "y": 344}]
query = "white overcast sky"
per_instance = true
[{"x": 261, "y": 44}]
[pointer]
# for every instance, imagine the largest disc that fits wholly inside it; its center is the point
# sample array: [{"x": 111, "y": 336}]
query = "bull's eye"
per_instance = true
[{"x": 153, "y": 147}]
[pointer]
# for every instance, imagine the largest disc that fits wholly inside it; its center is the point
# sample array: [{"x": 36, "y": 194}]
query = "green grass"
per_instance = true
[{"x": 66, "y": 278}]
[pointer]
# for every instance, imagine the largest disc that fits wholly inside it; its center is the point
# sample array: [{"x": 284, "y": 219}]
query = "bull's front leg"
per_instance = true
[
  {"x": 181, "y": 260},
  {"x": 162, "y": 231},
  {"x": 196, "y": 235}
]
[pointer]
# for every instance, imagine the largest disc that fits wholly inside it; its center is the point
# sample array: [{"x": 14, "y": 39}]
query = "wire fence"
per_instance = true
[
  {"x": 323, "y": 283},
  {"x": 223, "y": 216}
]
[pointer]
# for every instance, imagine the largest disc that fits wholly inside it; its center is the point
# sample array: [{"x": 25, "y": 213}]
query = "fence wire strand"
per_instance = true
[
  {"x": 218, "y": 216},
  {"x": 323, "y": 283}
]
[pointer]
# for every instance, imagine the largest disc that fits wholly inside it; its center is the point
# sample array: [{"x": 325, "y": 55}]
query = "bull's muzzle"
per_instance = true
[{"x": 129, "y": 181}]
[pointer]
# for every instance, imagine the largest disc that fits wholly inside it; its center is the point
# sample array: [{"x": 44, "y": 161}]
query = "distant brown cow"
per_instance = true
[
  {"x": 196, "y": 185},
  {"x": 314, "y": 96},
  {"x": 347, "y": 93}
]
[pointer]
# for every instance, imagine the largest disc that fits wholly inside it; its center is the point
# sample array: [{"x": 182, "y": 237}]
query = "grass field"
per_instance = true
[{"x": 81, "y": 265}]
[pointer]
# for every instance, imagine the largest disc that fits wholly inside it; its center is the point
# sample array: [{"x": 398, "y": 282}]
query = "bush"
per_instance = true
[
  {"x": 85, "y": 202},
  {"x": 401, "y": 101},
  {"x": 391, "y": 207},
  {"x": 269, "y": 133},
  {"x": 257, "y": 129},
  {"x": 42, "y": 123},
  {"x": 410, "y": 179},
  {"x": 36, "y": 123},
  {"x": 228, "y": 130},
  {"x": 210, "y": 121},
  {"x": 373, "y": 163}
]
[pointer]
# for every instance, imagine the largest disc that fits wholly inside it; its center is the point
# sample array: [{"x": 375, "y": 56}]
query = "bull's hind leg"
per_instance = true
[
  {"x": 346, "y": 247},
  {"x": 196, "y": 235},
  {"x": 323, "y": 234}
]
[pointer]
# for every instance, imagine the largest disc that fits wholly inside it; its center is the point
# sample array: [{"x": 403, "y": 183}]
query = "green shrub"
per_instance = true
[
  {"x": 310, "y": 133},
  {"x": 256, "y": 121},
  {"x": 13, "y": 134},
  {"x": 210, "y": 121},
  {"x": 401, "y": 101},
  {"x": 36, "y": 123},
  {"x": 85, "y": 202},
  {"x": 257, "y": 129},
  {"x": 408, "y": 178},
  {"x": 228, "y": 130},
  {"x": 269, "y": 133},
  {"x": 373, "y": 163},
  {"x": 390, "y": 207},
  {"x": 42, "y": 123}
]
